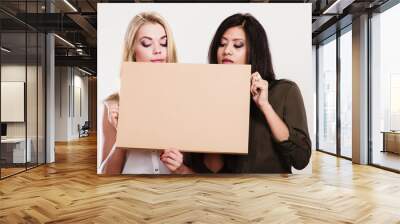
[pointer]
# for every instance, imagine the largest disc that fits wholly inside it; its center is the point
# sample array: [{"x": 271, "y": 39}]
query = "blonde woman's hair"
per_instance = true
[
  {"x": 130, "y": 37},
  {"x": 134, "y": 26}
]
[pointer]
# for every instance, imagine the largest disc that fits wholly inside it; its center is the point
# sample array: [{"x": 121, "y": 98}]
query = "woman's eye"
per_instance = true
[
  {"x": 238, "y": 45},
  {"x": 145, "y": 44},
  {"x": 222, "y": 44},
  {"x": 164, "y": 43}
]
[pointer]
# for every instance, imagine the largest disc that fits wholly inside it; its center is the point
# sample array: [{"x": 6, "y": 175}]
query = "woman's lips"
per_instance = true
[
  {"x": 157, "y": 60},
  {"x": 227, "y": 61}
]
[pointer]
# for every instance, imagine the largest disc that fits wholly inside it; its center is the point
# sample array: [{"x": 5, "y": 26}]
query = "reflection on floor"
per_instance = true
[
  {"x": 10, "y": 169},
  {"x": 346, "y": 152},
  {"x": 386, "y": 159}
]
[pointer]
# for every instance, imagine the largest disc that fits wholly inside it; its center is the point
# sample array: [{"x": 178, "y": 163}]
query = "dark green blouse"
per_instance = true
[{"x": 265, "y": 154}]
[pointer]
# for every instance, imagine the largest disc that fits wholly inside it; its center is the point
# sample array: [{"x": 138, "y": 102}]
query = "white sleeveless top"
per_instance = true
[{"x": 144, "y": 161}]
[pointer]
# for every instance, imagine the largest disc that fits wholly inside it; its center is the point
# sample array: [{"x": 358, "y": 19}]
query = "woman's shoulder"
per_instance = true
[
  {"x": 112, "y": 99},
  {"x": 285, "y": 89},
  {"x": 283, "y": 84}
]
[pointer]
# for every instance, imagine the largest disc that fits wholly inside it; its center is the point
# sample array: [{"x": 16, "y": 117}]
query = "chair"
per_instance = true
[{"x": 84, "y": 130}]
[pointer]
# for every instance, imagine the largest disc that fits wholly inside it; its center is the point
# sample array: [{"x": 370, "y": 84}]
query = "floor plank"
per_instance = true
[{"x": 70, "y": 191}]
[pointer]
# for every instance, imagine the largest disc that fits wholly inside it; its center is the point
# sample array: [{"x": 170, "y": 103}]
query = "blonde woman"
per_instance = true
[{"x": 148, "y": 39}]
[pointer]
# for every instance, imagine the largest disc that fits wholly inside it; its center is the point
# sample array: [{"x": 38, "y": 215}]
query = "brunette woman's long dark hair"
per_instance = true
[{"x": 259, "y": 55}]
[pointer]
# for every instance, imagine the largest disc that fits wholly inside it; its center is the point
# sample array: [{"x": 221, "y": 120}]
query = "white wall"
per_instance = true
[
  {"x": 61, "y": 103},
  {"x": 80, "y": 103},
  {"x": 68, "y": 82}
]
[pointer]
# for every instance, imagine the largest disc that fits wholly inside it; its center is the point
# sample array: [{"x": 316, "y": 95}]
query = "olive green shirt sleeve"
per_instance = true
[{"x": 297, "y": 149}]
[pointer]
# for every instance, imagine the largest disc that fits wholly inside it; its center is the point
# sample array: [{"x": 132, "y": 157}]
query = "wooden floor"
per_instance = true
[
  {"x": 10, "y": 171},
  {"x": 69, "y": 191}
]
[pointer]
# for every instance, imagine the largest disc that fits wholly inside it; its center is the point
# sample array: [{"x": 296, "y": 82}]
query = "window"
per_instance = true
[
  {"x": 327, "y": 96},
  {"x": 22, "y": 65},
  {"x": 346, "y": 93},
  {"x": 385, "y": 88}
]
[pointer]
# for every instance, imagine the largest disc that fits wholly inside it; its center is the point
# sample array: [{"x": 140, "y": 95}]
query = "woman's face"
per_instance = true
[
  {"x": 151, "y": 43},
  {"x": 233, "y": 47}
]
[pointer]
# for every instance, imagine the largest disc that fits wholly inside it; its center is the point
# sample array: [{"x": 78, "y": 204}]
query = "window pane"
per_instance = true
[
  {"x": 31, "y": 100},
  {"x": 385, "y": 86},
  {"x": 346, "y": 94},
  {"x": 327, "y": 97},
  {"x": 14, "y": 153}
]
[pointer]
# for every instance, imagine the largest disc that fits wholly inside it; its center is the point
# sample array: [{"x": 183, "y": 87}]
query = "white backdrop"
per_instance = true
[{"x": 288, "y": 28}]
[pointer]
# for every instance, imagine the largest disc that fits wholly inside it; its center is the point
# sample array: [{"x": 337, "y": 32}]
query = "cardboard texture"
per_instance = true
[{"x": 191, "y": 107}]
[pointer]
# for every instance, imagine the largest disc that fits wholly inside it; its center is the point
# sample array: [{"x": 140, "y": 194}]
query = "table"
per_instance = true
[
  {"x": 391, "y": 141},
  {"x": 13, "y": 150}
]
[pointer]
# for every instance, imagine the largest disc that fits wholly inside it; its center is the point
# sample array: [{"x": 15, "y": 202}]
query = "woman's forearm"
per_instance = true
[
  {"x": 279, "y": 130},
  {"x": 114, "y": 161},
  {"x": 184, "y": 170}
]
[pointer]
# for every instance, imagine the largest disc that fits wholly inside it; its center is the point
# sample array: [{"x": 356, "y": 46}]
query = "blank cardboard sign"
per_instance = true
[{"x": 191, "y": 107}]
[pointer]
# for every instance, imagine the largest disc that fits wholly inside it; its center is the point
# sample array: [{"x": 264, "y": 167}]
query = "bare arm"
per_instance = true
[
  {"x": 109, "y": 135},
  {"x": 112, "y": 158},
  {"x": 114, "y": 162},
  {"x": 279, "y": 130},
  {"x": 259, "y": 91},
  {"x": 184, "y": 170}
]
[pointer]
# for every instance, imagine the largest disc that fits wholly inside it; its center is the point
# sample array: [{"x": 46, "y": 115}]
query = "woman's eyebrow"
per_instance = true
[
  {"x": 146, "y": 37},
  {"x": 235, "y": 39},
  {"x": 165, "y": 36}
]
